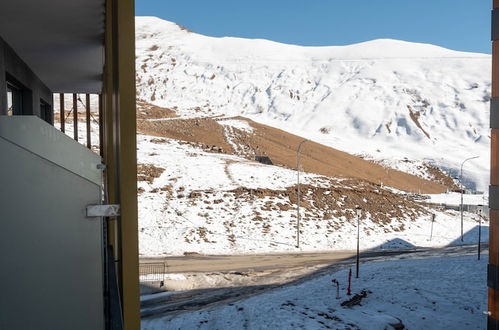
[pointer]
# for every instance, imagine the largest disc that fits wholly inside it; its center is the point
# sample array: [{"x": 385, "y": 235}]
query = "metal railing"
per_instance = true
[
  {"x": 152, "y": 272},
  {"x": 91, "y": 106}
]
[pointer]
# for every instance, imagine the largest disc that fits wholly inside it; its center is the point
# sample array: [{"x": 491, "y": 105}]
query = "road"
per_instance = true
[
  {"x": 261, "y": 262},
  {"x": 244, "y": 263},
  {"x": 278, "y": 270}
]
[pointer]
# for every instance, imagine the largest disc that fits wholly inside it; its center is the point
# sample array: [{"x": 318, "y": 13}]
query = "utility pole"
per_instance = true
[
  {"x": 358, "y": 210},
  {"x": 298, "y": 193},
  {"x": 462, "y": 191}
]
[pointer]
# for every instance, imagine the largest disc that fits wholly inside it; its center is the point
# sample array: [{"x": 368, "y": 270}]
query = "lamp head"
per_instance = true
[{"x": 358, "y": 210}]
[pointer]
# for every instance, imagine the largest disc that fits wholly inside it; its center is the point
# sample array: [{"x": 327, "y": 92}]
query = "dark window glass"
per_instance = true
[
  {"x": 45, "y": 111},
  {"x": 14, "y": 100}
]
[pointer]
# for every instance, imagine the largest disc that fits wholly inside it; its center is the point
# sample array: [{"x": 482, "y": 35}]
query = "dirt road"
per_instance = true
[{"x": 264, "y": 273}]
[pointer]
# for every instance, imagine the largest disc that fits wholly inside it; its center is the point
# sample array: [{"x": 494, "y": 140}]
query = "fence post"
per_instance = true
[
  {"x": 75, "y": 117},
  {"x": 349, "y": 292},
  {"x": 89, "y": 127},
  {"x": 62, "y": 112},
  {"x": 432, "y": 221}
]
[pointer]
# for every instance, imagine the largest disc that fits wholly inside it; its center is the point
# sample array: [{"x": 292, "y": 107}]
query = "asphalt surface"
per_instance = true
[{"x": 260, "y": 262}]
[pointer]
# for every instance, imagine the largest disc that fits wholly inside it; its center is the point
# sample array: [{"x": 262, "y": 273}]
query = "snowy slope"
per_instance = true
[
  {"x": 191, "y": 200},
  {"x": 388, "y": 99}
]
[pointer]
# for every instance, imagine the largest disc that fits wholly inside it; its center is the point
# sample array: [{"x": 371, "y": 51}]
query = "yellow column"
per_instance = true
[{"x": 120, "y": 150}]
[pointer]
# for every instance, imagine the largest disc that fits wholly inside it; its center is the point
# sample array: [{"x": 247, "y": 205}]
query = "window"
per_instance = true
[
  {"x": 45, "y": 111},
  {"x": 14, "y": 100},
  {"x": 19, "y": 98},
  {"x": 9, "y": 102}
]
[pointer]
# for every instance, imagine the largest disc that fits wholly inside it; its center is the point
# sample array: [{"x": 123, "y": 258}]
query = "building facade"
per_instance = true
[{"x": 68, "y": 215}]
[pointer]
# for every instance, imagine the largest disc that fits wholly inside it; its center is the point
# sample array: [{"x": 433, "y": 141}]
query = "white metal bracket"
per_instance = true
[{"x": 108, "y": 210}]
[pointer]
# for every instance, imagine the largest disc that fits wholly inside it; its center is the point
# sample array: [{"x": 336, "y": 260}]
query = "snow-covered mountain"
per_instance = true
[{"x": 386, "y": 99}]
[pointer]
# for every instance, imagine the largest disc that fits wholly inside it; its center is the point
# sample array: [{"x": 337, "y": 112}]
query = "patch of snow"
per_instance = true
[
  {"x": 454, "y": 198},
  {"x": 239, "y": 124}
]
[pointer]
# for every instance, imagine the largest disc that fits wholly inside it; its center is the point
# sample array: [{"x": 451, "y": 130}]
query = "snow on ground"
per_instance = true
[
  {"x": 447, "y": 293},
  {"x": 239, "y": 124},
  {"x": 221, "y": 204},
  {"x": 193, "y": 169},
  {"x": 387, "y": 98},
  {"x": 82, "y": 130},
  {"x": 454, "y": 198}
]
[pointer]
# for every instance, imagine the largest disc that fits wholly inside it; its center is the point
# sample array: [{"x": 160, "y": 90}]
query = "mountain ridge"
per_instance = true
[
  {"x": 170, "y": 27},
  {"x": 410, "y": 100}
]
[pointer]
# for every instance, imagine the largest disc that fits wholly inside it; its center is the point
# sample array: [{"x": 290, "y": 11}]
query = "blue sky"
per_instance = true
[{"x": 455, "y": 24}]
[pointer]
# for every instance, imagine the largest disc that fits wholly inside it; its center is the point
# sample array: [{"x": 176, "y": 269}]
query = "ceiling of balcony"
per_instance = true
[{"x": 61, "y": 40}]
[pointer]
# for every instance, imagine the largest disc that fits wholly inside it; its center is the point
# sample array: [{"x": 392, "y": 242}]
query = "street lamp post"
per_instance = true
[
  {"x": 298, "y": 193},
  {"x": 462, "y": 191},
  {"x": 358, "y": 210}
]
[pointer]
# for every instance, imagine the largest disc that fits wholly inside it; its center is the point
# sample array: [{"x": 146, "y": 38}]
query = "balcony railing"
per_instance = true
[{"x": 80, "y": 116}]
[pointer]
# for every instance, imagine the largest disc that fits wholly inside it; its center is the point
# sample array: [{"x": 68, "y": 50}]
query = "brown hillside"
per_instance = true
[
  {"x": 199, "y": 130},
  {"x": 317, "y": 158},
  {"x": 150, "y": 111},
  {"x": 281, "y": 147}
]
